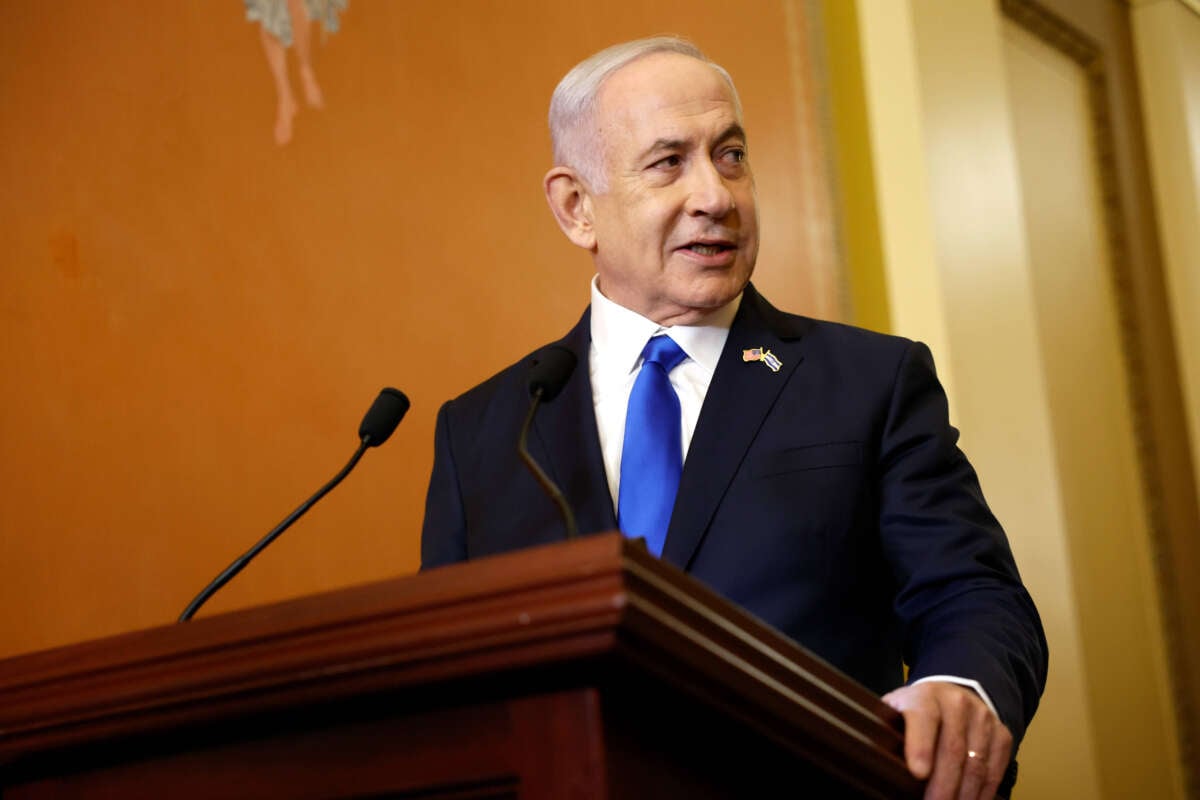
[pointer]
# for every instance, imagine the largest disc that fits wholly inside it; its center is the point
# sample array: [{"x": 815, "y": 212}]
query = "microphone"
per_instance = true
[
  {"x": 381, "y": 419},
  {"x": 552, "y": 367}
]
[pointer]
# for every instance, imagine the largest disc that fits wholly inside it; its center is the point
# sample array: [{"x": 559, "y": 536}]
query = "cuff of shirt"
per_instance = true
[{"x": 967, "y": 682}]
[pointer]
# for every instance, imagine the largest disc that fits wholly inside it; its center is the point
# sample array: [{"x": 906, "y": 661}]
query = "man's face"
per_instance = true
[{"x": 676, "y": 232}]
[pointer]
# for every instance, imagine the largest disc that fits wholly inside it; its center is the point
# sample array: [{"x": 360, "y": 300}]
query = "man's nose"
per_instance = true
[{"x": 708, "y": 193}]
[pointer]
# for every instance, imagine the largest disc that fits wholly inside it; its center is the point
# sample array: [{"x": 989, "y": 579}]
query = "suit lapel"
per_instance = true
[
  {"x": 738, "y": 400},
  {"x": 565, "y": 435}
]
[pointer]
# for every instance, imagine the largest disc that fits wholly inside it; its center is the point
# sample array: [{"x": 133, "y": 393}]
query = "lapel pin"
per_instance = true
[{"x": 763, "y": 355}]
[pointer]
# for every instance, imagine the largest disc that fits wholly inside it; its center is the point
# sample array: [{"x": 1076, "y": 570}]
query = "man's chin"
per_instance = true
[
  {"x": 695, "y": 307},
  {"x": 714, "y": 290}
]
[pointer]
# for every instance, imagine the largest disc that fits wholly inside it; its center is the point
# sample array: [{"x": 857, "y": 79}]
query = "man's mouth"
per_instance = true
[{"x": 703, "y": 249}]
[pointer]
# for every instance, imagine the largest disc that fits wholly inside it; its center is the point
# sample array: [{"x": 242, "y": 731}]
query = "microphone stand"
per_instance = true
[
  {"x": 547, "y": 485},
  {"x": 239, "y": 564}
]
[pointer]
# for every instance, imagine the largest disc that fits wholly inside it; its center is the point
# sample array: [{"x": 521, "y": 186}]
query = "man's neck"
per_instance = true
[{"x": 719, "y": 317}]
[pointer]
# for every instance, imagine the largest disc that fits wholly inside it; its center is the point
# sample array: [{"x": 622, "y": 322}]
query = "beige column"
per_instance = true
[
  {"x": 1167, "y": 44},
  {"x": 905, "y": 220}
]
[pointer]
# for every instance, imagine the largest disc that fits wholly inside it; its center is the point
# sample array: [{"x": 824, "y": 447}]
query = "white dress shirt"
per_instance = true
[{"x": 618, "y": 337}]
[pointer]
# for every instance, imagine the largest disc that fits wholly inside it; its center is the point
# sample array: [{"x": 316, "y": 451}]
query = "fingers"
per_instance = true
[
  {"x": 953, "y": 739},
  {"x": 997, "y": 760},
  {"x": 976, "y": 757},
  {"x": 921, "y": 721},
  {"x": 951, "y": 755},
  {"x": 988, "y": 750}
]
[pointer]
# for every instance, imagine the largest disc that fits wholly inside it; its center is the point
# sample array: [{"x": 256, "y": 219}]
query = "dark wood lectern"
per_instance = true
[{"x": 582, "y": 670}]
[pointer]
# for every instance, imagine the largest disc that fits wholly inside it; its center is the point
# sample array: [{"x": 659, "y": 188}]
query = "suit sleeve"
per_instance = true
[
  {"x": 444, "y": 533},
  {"x": 960, "y": 596}
]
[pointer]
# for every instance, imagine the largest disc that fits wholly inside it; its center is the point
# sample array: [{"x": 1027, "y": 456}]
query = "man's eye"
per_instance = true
[
  {"x": 669, "y": 161},
  {"x": 737, "y": 155}
]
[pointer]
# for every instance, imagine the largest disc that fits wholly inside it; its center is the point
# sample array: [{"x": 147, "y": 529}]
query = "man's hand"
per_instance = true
[{"x": 952, "y": 738}]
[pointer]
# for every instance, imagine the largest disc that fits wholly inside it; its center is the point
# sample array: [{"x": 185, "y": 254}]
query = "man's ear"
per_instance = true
[{"x": 571, "y": 203}]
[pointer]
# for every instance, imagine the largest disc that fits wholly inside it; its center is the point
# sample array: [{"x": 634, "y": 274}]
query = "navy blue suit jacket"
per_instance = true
[{"x": 829, "y": 499}]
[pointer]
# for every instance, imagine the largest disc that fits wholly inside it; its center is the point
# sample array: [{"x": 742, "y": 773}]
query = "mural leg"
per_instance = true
[
  {"x": 286, "y": 101},
  {"x": 302, "y": 35}
]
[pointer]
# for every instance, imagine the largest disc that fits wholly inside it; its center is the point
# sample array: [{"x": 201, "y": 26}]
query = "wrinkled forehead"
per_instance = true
[{"x": 665, "y": 83}]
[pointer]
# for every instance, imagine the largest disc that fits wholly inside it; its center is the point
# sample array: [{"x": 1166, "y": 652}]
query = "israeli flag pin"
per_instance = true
[{"x": 763, "y": 355}]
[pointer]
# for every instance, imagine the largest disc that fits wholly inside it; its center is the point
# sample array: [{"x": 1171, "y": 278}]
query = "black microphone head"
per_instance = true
[
  {"x": 551, "y": 368},
  {"x": 383, "y": 416}
]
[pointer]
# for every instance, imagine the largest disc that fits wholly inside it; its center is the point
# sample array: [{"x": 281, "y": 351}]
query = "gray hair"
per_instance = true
[{"x": 574, "y": 101}]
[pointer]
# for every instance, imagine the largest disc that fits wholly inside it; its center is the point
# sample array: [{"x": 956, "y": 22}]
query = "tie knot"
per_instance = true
[{"x": 663, "y": 351}]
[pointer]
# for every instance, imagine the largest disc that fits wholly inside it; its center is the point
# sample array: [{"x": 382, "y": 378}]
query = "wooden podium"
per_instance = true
[{"x": 582, "y": 670}]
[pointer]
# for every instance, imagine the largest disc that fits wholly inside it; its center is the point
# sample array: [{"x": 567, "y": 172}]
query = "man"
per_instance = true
[{"x": 821, "y": 486}]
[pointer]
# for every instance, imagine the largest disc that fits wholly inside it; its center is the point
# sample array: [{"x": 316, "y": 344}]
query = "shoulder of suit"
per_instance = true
[
  {"x": 796, "y": 326},
  {"x": 854, "y": 335}
]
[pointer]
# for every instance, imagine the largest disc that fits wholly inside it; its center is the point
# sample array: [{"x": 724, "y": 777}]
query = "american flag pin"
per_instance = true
[{"x": 763, "y": 355}]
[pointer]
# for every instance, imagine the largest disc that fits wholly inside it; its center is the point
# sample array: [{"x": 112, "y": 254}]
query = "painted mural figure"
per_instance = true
[{"x": 282, "y": 22}]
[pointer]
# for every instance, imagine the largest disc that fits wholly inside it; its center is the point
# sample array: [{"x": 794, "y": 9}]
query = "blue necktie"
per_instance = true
[{"x": 652, "y": 456}]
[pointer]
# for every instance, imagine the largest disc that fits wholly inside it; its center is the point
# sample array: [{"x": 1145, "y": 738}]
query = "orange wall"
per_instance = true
[{"x": 193, "y": 320}]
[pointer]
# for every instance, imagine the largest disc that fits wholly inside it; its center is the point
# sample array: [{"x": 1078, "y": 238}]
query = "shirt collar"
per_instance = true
[{"x": 618, "y": 334}]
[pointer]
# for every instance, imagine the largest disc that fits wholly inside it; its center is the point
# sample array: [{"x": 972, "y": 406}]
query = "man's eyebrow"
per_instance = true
[
  {"x": 665, "y": 144},
  {"x": 734, "y": 131}
]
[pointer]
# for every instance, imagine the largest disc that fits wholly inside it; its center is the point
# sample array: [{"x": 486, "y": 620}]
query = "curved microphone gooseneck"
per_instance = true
[
  {"x": 378, "y": 424},
  {"x": 551, "y": 368}
]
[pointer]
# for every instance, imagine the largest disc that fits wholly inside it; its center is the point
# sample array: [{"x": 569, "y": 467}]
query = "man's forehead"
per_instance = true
[{"x": 665, "y": 81}]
